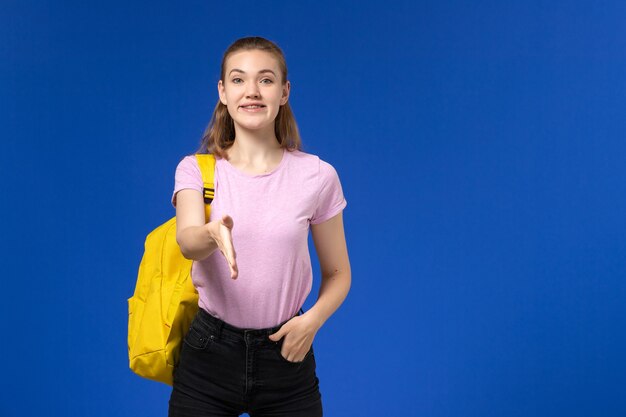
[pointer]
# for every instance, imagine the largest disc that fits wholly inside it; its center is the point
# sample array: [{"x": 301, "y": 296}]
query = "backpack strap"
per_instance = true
[{"x": 206, "y": 162}]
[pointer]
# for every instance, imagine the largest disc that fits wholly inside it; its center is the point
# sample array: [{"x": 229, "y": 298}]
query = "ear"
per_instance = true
[
  {"x": 285, "y": 95},
  {"x": 221, "y": 92}
]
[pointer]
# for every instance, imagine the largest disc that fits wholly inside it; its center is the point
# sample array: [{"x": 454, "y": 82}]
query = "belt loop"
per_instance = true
[
  {"x": 219, "y": 329},
  {"x": 218, "y": 324}
]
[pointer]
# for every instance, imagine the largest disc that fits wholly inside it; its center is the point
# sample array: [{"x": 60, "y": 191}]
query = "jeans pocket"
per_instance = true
[
  {"x": 199, "y": 336},
  {"x": 278, "y": 347}
]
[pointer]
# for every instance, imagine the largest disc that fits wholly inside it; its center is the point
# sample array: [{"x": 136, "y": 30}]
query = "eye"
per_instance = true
[
  {"x": 267, "y": 79},
  {"x": 235, "y": 79}
]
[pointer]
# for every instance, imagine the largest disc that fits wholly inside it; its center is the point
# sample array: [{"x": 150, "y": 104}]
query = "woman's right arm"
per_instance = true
[{"x": 197, "y": 239}]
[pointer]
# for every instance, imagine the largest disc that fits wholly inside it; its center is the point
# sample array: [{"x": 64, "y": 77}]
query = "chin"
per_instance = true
[{"x": 254, "y": 126}]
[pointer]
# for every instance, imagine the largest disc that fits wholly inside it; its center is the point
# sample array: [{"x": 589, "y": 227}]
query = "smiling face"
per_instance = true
[{"x": 253, "y": 77}]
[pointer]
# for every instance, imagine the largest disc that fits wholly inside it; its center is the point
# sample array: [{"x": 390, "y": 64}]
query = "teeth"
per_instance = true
[{"x": 251, "y": 107}]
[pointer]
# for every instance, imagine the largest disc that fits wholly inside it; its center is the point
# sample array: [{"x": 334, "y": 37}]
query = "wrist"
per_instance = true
[{"x": 314, "y": 316}]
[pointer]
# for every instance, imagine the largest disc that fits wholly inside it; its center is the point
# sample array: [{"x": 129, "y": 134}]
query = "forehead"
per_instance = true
[{"x": 252, "y": 61}]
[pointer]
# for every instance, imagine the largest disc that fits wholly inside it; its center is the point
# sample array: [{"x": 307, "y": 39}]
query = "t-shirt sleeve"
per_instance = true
[
  {"x": 330, "y": 198},
  {"x": 187, "y": 175}
]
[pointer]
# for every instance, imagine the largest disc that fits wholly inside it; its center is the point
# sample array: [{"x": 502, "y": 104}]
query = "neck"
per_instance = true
[{"x": 254, "y": 146}]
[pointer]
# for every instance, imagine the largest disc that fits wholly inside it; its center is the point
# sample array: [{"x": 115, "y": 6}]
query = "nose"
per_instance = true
[{"x": 252, "y": 90}]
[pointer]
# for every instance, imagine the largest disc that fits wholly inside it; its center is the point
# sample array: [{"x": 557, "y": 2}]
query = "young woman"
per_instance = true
[{"x": 248, "y": 349}]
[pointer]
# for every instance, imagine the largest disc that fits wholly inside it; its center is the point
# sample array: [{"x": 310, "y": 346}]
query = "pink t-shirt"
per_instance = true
[{"x": 271, "y": 214}]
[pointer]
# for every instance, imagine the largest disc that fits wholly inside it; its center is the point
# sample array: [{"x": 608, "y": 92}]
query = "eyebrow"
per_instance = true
[{"x": 243, "y": 72}]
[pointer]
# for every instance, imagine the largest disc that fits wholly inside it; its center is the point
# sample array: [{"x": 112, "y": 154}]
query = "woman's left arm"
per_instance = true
[{"x": 330, "y": 245}]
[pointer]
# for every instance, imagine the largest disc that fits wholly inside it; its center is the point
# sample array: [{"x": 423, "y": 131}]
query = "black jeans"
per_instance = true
[{"x": 227, "y": 371}]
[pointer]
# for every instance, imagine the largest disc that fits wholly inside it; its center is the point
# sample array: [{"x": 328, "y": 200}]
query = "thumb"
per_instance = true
[
  {"x": 227, "y": 221},
  {"x": 277, "y": 336}
]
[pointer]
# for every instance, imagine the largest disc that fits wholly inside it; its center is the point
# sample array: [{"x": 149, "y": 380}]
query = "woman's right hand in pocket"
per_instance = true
[{"x": 221, "y": 232}]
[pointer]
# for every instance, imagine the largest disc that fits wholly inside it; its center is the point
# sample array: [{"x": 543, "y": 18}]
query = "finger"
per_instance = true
[
  {"x": 285, "y": 355},
  {"x": 231, "y": 256},
  {"x": 234, "y": 269},
  {"x": 293, "y": 356},
  {"x": 225, "y": 246},
  {"x": 227, "y": 221},
  {"x": 225, "y": 243},
  {"x": 277, "y": 336}
]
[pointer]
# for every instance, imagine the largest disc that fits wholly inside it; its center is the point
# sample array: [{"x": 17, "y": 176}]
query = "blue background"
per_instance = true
[{"x": 481, "y": 150}]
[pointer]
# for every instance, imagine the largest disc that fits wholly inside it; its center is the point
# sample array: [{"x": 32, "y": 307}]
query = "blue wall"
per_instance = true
[{"x": 480, "y": 147}]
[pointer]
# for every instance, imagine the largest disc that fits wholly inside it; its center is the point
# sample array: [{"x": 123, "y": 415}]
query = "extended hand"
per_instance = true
[
  {"x": 299, "y": 333},
  {"x": 221, "y": 231}
]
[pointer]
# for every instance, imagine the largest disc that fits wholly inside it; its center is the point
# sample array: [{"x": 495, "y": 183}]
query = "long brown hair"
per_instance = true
[{"x": 220, "y": 133}]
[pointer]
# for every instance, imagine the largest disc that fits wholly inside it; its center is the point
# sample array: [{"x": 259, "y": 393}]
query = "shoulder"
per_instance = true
[
  {"x": 303, "y": 158},
  {"x": 321, "y": 167},
  {"x": 189, "y": 164},
  {"x": 188, "y": 160},
  {"x": 312, "y": 161},
  {"x": 188, "y": 169}
]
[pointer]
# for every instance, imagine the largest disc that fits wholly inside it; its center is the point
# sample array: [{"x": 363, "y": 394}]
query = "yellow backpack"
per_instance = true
[{"x": 165, "y": 300}]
